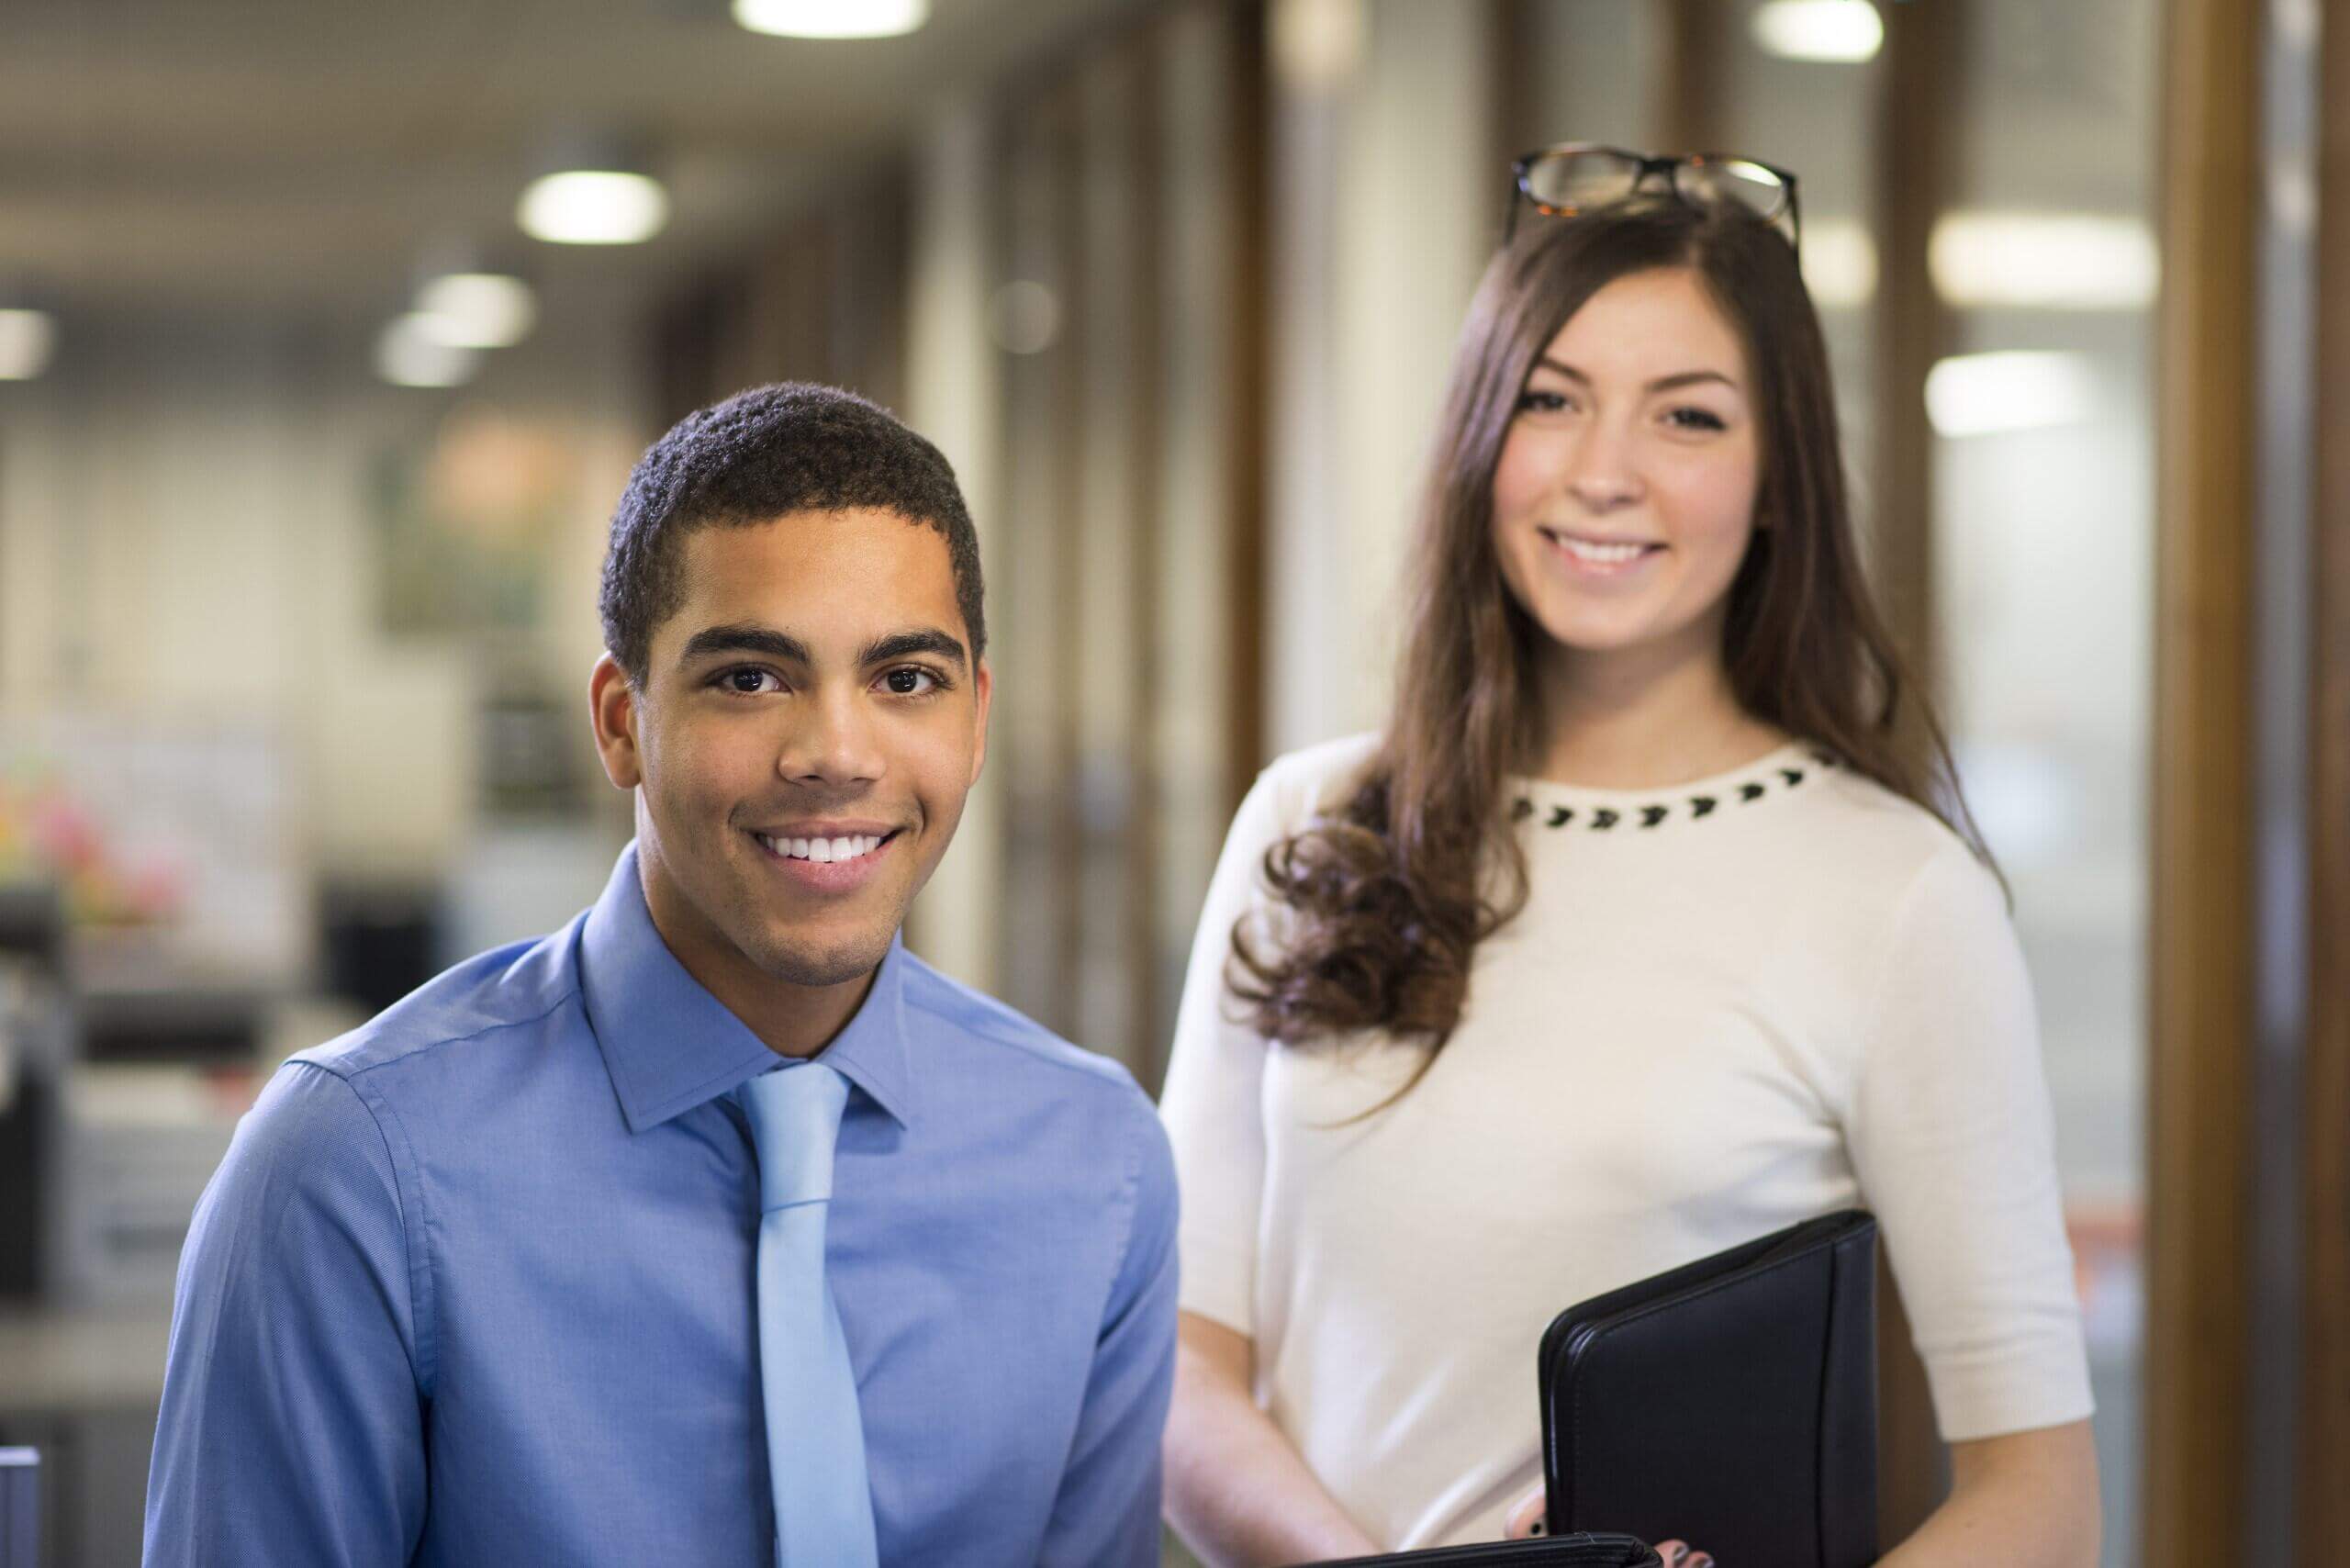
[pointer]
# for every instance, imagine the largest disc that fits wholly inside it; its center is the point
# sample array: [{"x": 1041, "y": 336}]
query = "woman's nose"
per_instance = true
[{"x": 1600, "y": 472}]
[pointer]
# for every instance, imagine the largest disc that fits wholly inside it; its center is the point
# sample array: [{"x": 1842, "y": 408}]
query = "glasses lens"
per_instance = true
[
  {"x": 1572, "y": 181},
  {"x": 1705, "y": 182}
]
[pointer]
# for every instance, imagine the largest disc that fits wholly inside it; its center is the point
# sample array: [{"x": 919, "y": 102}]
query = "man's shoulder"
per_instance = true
[
  {"x": 1009, "y": 1038},
  {"x": 518, "y": 986}
]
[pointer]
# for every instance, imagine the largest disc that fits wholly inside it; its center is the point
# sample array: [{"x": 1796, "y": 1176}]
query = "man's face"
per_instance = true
[{"x": 810, "y": 720}]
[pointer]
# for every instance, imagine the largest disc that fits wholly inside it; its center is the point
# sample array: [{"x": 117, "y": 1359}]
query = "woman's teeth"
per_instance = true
[
  {"x": 822, "y": 851},
  {"x": 1601, "y": 555}
]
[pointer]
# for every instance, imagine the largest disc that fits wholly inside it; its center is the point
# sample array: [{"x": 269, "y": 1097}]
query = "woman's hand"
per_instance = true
[{"x": 1525, "y": 1520}]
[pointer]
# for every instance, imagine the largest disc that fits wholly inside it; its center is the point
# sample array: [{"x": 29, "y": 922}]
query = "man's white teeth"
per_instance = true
[
  {"x": 824, "y": 851},
  {"x": 1602, "y": 555}
]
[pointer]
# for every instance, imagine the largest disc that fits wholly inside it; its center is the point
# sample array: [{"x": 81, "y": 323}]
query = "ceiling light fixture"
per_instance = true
[
  {"x": 478, "y": 310},
  {"x": 593, "y": 206},
  {"x": 1318, "y": 45},
  {"x": 28, "y": 339},
  {"x": 1986, "y": 394},
  {"x": 1838, "y": 263},
  {"x": 2044, "y": 261},
  {"x": 832, "y": 18},
  {"x": 1842, "y": 31},
  {"x": 407, "y": 354}
]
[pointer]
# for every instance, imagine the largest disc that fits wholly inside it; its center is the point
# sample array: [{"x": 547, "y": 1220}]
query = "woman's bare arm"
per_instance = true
[
  {"x": 1237, "y": 1491},
  {"x": 2028, "y": 1499}
]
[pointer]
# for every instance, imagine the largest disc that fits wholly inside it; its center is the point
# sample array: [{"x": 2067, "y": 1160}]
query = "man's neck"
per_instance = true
[
  {"x": 791, "y": 1019},
  {"x": 796, "y": 1021}
]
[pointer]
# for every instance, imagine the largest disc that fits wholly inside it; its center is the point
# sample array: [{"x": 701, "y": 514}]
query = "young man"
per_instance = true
[{"x": 534, "y": 1270}]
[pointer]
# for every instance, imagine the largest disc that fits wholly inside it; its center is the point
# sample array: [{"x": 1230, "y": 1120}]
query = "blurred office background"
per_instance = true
[{"x": 318, "y": 392}]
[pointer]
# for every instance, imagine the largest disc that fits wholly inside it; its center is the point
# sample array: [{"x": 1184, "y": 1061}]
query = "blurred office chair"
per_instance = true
[{"x": 19, "y": 1508}]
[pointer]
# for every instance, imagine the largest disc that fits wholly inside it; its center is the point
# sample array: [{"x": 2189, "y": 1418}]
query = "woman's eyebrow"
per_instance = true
[{"x": 1661, "y": 383}]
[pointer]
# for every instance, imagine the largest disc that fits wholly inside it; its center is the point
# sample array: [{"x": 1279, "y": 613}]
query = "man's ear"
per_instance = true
[
  {"x": 612, "y": 704},
  {"x": 982, "y": 689}
]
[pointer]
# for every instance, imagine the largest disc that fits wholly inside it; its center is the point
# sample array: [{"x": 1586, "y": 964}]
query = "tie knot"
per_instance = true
[{"x": 795, "y": 1114}]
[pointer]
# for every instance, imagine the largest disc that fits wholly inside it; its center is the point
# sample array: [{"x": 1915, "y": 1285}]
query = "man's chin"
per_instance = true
[{"x": 819, "y": 963}]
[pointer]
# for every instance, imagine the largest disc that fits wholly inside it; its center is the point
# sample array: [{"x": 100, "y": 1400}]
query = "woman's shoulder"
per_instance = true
[
  {"x": 1312, "y": 782},
  {"x": 1884, "y": 848}
]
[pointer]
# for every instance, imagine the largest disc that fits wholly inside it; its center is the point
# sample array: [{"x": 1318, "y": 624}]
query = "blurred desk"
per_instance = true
[
  {"x": 83, "y": 1387},
  {"x": 54, "y": 1360}
]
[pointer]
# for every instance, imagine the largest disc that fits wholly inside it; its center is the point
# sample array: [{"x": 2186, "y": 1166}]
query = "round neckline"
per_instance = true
[
  {"x": 1794, "y": 754},
  {"x": 1541, "y": 803}
]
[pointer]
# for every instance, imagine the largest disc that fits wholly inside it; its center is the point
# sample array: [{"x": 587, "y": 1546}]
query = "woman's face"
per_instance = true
[{"x": 1625, "y": 497}]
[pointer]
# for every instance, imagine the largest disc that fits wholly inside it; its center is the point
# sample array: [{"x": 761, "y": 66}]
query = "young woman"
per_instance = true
[{"x": 1651, "y": 923}]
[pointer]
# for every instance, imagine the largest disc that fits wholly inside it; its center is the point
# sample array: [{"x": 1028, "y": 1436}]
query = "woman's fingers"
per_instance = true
[
  {"x": 1526, "y": 1518},
  {"x": 1680, "y": 1555}
]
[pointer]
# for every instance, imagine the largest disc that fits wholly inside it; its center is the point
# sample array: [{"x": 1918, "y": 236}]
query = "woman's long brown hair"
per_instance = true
[{"x": 1390, "y": 893}]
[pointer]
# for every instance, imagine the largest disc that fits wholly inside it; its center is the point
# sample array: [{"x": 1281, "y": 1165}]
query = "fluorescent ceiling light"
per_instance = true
[
  {"x": 478, "y": 310},
  {"x": 1983, "y": 394},
  {"x": 407, "y": 354},
  {"x": 1318, "y": 44},
  {"x": 594, "y": 207},
  {"x": 2044, "y": 261},
  {"x": 1846, "y": 31},
  {"x": 27, "y": 338},
  {"x": 832, "y": 18},
  {"x": 1838, "y": 263}
]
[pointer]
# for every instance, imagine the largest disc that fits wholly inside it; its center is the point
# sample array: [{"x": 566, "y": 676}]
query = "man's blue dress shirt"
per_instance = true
[{"x": 474, "y": 1284}]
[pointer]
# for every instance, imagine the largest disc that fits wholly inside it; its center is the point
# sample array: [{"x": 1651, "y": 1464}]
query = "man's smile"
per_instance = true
[{"x": 831, "y": 858}]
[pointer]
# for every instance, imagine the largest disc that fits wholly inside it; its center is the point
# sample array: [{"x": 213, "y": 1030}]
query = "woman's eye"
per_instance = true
[
  {"x": 1696, "y": 420},
  {"x": 910, "y": 681},
  {"x": 1541, "y": 402},
  {"x": 747, "y": 681}
]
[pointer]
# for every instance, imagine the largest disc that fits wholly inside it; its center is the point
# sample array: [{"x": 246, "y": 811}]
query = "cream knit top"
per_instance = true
[{"x": 1727, "y": 1005}]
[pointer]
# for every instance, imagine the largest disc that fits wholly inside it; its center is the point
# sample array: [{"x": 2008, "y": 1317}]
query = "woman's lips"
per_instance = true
[{"x": 1600, "y": 559}]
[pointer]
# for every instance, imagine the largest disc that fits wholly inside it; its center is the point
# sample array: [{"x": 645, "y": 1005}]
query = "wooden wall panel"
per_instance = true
[
  {"x": 1146, "y": 365},
  {"x": 2323, "y": 1501},
  {"x": 1248, "y": 396},
  {"x": 2200, "y": 957},
  {"x": 1922, "y": 91},
  {"x": 1698, "y": 38}
]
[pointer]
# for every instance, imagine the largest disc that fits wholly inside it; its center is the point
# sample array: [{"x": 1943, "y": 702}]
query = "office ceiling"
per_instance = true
[{"x": 300, "y": 156}]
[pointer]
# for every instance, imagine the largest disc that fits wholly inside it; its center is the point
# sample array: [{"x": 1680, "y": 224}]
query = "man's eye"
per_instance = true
[
  {"x": 747, "y": 681},
  {"x": 910, "y": 681}
]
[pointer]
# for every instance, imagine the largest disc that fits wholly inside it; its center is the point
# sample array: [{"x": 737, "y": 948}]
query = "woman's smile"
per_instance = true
[{"x": 1597, "y": 557}]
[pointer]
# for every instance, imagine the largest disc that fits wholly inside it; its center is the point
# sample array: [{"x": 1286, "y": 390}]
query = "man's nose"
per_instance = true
[{"x": 834, "y": 742}]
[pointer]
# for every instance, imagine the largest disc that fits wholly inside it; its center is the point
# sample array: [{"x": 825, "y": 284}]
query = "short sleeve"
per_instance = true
[
  {"x": 1213, "y": 1099},
  {"x": 1951, "y": 1140}
]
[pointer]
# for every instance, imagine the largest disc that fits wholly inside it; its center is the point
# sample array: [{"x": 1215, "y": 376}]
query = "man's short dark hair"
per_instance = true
[{"x": 792, "y": 447}]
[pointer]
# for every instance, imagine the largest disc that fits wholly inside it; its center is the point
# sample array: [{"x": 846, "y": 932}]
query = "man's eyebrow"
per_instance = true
[
  {"x": 743, "y": 639},
  {"x": 922, "y": 640},
  {"x": 1661, "y": 383}
]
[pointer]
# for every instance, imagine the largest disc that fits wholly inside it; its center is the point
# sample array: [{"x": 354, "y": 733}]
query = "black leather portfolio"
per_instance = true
[
  {"x": 1584, "y": 1551},
  {"x": 1731, "y": 1403}
]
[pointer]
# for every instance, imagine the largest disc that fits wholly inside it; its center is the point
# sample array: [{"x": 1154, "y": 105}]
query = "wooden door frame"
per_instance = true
[
  {"x": 2322, "y": 1503},
  {"x": 2200, "y": 948}
]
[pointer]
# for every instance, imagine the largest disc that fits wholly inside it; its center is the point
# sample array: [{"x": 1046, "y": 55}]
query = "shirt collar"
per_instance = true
[{"x": 669, "y": 1044}]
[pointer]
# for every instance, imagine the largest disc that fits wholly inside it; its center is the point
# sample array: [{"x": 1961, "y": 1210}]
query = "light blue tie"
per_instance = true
[{"x": 823, "y": 1507}]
